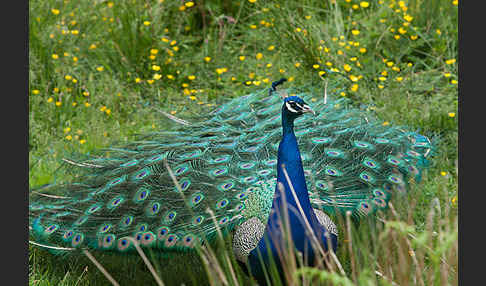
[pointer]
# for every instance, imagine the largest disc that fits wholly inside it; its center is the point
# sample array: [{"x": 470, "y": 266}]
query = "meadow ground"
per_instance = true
[{"x": 101, "y": 71}]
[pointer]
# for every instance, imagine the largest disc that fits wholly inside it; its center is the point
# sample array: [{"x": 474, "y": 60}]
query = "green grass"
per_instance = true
[{"x": 421, "y": 94}]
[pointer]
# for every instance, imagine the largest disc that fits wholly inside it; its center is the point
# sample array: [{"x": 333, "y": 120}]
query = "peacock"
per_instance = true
[{"x": 234, "y": 168}]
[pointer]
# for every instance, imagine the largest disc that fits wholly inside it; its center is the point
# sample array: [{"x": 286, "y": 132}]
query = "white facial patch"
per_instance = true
[{"x": 289, "y": 104}]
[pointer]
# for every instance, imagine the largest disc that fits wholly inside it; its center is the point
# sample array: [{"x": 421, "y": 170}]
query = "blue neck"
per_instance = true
[{"x": 289, "y": 155}]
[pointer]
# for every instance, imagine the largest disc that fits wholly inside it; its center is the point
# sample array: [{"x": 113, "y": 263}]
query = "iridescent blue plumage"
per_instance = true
[{"x": 274, "y": 236}]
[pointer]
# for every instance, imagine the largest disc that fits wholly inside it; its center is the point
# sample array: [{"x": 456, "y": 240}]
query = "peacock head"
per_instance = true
[{"x": 294, "y": 107}]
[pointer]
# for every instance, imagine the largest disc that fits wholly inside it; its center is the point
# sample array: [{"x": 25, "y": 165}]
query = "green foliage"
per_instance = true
[{"x": 410, "y": 80}]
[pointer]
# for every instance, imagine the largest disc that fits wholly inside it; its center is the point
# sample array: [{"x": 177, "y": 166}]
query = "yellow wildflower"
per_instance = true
[
  {"x": 82, "y": 141},
  {"x": 271, "y": 48},
  {"x": 58, "y": 103},
  {"x": 191, "y": 77},
  {"x": 252, "y": 1},
  {"x": 362, "y": 50},
  {"x": 100, "y": 68},
  {"x": 169, "y": 76},
  {"x": 353, "y": 78},
  {"x": 297, "y": 65},
  {"x": 402, "y": 30},
  {"x": 154, "y": 51},
  {"x": 155, "y": 67},
  {"x": 315, "y": 66},
  {"x": 221, "y": 70},
  {"x": 347, "y": 67},
  {"x": 386, "y": 123},
  {"x": 207, "y": 59},
  {"x": 454, "y": 81},
  {"x": 355, "y": 32},
  {"x": 354, "y": 87},
  {"x": 451, "y": 61},
  {"x": 137, "y": 80},
  {"x": 189, "y": 4},
  {"x": 364, "y": 4},
  {"x": 68, "y": 77},
  {"x": 443, "y": 173},
  {"x": 35, "y": 91},
  {"x": 259, "y": 56},
  {"x": 55, "y": 56},
  {"x": 55, "y": 11},
  {"x": 69, "y": 137},
  {"x": 242, "y": 58},
  {"x": 146, "y": 23},
  {"x": 452, "y": 114},
  {"x": 399, "y": 79},
  {"x": 321, "y": 73},
  {"x": 87, "y": 104},
  {"x": 150, "y": 81},
  {"x": 447, "y": 74},
  {"x": 157, "y": 76}
]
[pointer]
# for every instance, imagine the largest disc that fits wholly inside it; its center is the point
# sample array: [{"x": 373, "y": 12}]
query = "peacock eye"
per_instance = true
[{"x": 293, "y": 106}]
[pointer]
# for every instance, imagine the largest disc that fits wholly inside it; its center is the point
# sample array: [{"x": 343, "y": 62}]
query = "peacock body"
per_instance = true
[{"x": 171, "y": 190}]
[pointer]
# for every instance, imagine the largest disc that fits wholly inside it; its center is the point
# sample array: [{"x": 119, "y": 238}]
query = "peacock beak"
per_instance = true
[{"x": 306, "y": 108}]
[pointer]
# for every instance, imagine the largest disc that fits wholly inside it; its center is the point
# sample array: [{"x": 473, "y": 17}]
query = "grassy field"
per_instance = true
[{"x": 100, "y": 71}]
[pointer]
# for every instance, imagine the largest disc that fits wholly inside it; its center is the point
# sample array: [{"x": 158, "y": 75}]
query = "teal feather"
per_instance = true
[{"x": 225, "y": 162}]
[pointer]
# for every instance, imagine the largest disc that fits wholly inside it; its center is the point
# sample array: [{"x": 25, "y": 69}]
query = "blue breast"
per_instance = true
[{"x": 289, "y": 155}]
